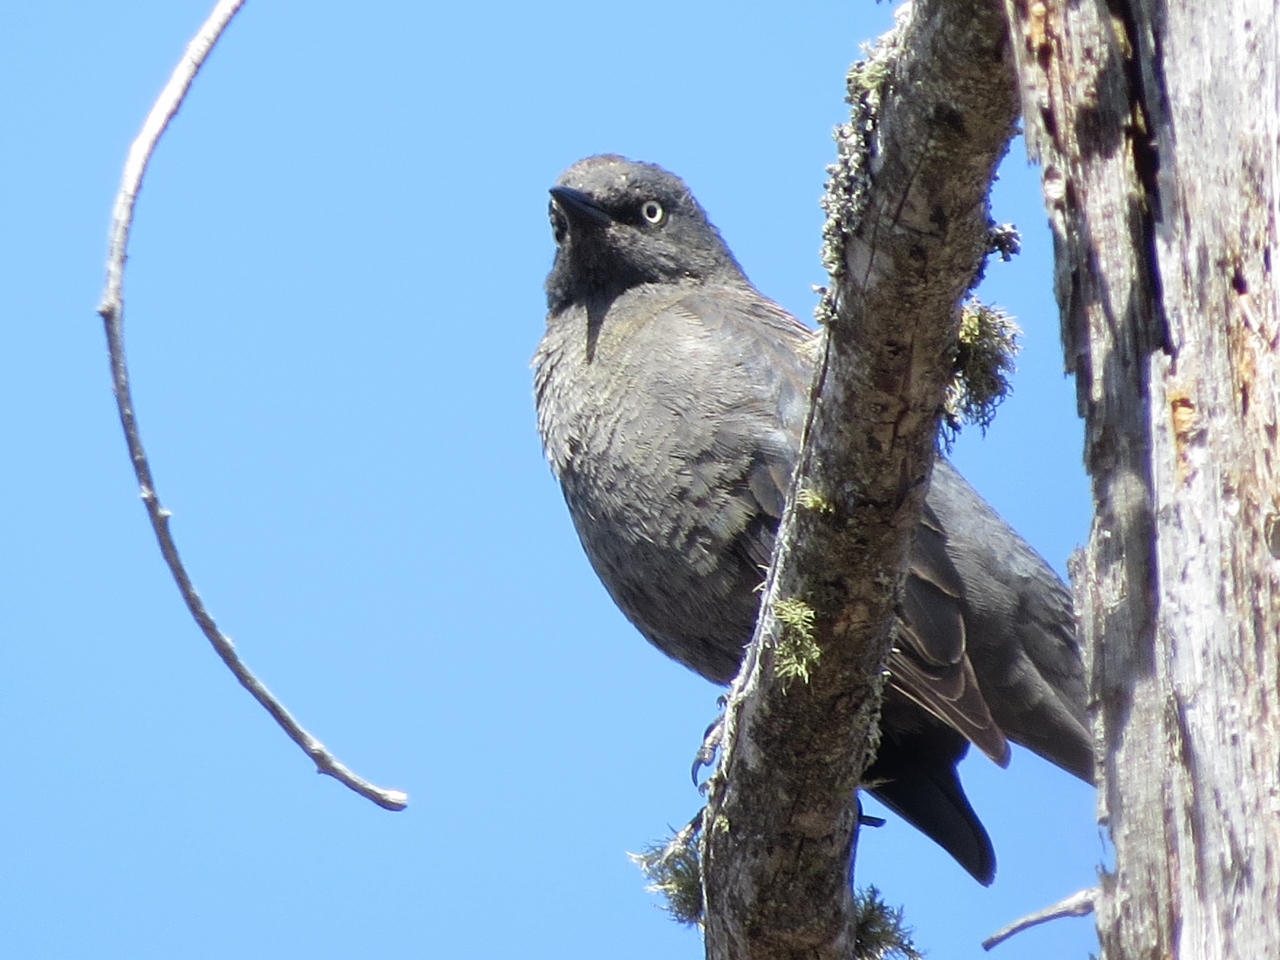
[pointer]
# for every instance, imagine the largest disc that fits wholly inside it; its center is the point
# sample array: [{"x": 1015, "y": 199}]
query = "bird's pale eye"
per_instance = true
[
  {"x": 559, "y": 223},
  {"x": 652, "y": 212}
]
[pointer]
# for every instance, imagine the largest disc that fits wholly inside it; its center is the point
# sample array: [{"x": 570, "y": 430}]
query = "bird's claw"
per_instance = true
[{"x": 706, "y": 755}]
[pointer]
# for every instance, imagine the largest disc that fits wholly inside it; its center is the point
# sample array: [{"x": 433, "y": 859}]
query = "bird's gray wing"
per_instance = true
[
  {"x": 775, "y": 354},
  {"x": 1021, "y": 628},
  {"x": 769, "y": 354},
  {"x": 929, "y": 661}
]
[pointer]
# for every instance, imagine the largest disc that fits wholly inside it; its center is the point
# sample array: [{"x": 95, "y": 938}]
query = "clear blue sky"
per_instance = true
[{"x": 335, "y": 289}]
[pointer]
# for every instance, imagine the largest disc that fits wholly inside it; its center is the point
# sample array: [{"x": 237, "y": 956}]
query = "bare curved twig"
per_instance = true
[
  {"x": 1079, "y": 904},
  {"x": 111, "y": 309}
]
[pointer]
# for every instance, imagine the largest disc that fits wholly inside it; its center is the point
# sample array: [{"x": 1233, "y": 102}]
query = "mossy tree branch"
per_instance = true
[{"x": 934, "y": 110}]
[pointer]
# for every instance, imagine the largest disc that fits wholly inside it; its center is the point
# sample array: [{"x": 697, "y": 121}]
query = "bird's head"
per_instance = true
[{"x": 619, "y": 224}]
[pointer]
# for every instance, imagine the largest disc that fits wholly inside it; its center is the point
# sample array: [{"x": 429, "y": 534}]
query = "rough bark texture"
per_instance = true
[
  {"x": 1157, "y": 130},
  {"x": 913, "y": 231}
]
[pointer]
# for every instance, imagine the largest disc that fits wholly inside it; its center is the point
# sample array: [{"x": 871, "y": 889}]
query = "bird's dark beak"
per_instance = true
[{"x": 579, "y": 207}]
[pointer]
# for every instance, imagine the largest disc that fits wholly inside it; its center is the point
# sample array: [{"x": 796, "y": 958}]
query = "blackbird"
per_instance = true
[{"x": 671, "y": 396}]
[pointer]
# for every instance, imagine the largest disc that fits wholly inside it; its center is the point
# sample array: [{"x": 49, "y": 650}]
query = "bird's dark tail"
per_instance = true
[{"x": 915, "y": 777}]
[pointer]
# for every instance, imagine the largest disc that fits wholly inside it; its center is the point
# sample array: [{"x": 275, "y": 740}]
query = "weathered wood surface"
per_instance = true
[{"x": 1157, "y": 128}]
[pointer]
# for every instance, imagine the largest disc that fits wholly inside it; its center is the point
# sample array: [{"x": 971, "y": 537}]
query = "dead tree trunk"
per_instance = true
[{"x": 1157, "y": 130}]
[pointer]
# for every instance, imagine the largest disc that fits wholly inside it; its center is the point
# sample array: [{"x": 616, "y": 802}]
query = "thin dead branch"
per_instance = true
[
  {"x": 1079, "y": 904},
  {"x": 111, "y": 309}
]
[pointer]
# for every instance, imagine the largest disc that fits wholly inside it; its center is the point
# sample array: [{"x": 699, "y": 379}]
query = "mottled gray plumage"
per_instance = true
[{"x": 671, "y": 397}]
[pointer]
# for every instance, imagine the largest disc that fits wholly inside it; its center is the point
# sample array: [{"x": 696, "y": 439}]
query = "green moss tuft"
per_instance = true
[
  {"x": 796, "y": 651},
  {"x": 984, "y": 360},
  {"x": 882, "y": 934},
  {"x": 674, "y": 871},
  {"x": 811, "y": 499}
]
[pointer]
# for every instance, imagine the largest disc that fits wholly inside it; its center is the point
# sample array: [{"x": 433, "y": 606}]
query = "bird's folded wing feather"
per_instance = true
[{"x": 928, "y": 664}]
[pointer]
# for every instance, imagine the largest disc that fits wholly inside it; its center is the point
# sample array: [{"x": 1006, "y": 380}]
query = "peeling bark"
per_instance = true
[{"x": 1157, "y": 130}]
